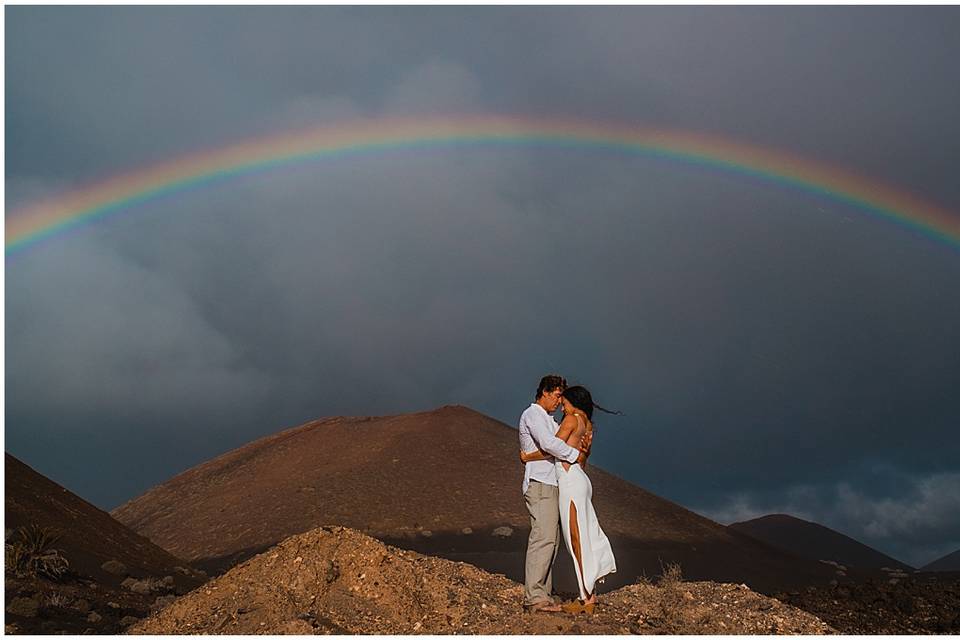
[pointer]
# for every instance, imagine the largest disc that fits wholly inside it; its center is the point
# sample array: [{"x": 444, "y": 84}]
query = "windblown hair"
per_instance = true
[
  {"x": 581, "y": 399},
  {"x": 550, "y": 383}
]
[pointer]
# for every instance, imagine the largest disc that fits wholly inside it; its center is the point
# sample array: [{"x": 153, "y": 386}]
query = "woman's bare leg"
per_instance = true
[{"x": 575, "y": 543}]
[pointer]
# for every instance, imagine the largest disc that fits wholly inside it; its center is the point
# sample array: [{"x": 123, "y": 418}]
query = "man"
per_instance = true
[{"x": 538, "y": 430}]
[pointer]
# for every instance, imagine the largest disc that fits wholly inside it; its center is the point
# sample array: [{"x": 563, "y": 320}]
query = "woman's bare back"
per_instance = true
[{"x": 576, "y": 436}]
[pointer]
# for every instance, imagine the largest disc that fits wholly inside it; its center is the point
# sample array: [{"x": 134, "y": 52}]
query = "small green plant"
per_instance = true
[{"x": 29, "y": 552}]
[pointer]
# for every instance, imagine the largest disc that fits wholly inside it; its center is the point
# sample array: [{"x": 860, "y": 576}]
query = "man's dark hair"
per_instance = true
[{"x": 549, "y": 383}]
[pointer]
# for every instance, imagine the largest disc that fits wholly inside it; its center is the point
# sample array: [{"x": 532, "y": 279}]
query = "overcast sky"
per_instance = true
[{"x": 773, "y": 351}]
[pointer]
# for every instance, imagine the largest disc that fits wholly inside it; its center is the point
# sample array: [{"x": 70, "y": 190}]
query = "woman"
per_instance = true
[{"x": 588, "y": 545}]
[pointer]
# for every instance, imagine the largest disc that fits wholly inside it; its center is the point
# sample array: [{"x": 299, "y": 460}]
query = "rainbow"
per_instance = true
[{"x": 30, "y": 224}]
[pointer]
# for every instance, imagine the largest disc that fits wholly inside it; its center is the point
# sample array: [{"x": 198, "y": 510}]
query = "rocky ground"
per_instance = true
[
  {"x": 900, "y": 603},
  {"x": 80, "y": 605},
  {"x": 334, "y": 580}
]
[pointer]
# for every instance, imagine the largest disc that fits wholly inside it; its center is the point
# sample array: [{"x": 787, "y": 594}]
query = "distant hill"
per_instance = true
[
  {"x": 442, "y": 482},
  {"x": 815, "y": 541},
  {"x": 949, "y": 562},
  {"x": 89, "y": 536}
]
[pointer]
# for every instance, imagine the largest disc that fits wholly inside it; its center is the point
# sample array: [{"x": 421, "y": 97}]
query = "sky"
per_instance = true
[{"x": 773, "y": 350}]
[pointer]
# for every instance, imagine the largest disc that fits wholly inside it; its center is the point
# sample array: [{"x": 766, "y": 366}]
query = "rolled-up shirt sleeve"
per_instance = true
[{"x": 545, "y": 439}]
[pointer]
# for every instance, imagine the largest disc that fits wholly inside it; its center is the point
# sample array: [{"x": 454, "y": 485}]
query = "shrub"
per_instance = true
[
  {"x": 671, "y": 597},
  {"x": 29, "y": 552},
  {"x": 671, "y": 575},
  {"x": 57, "y": 599}
]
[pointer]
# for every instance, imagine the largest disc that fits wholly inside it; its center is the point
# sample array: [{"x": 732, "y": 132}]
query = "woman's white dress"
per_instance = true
[{"x": 595, "y": 551}]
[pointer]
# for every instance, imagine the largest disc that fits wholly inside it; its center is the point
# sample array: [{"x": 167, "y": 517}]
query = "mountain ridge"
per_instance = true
[
  {"x": 949, "y": 562},
  {"x": 815, "y": 541}
]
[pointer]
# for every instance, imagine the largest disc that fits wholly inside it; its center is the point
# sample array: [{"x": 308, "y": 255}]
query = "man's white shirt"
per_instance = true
[{"x": 538, "y": 429}]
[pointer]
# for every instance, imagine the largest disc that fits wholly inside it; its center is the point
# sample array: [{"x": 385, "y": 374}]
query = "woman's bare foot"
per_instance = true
[{"x": 580, "y": 606}]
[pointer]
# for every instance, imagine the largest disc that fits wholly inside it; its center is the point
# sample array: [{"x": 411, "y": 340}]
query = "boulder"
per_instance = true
[
  {"x": 142, "y": 586},
  {"x": 115, "y": 567},
  {"x": 26, "y": 607},
  {"x": 503, "y": 532}
]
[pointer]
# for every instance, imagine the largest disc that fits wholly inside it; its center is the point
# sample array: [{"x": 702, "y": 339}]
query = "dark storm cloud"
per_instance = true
[{"x": 771, "y": 349}]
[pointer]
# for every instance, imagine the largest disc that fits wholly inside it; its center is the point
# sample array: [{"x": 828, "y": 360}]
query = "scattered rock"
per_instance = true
[
  {"x": 884, "y": 606},
  {"x": 113, "y": 605},
  {"x": 426, "y": 533},
  {"x": 295, "y": 628},
  {"x": 162, "y": 601},
  {"x": 115, "y": 567},
  {"x": 128, "y": 582},
  {"x": 26, "y": 607},
  {"x": 168, "y": 581},
  {"x": 503, "y": 532},
  {"x": 142, "y": 587},
  {"x": 94, "y": 617},
  {"x": 81, "y": 605},
  {"x": 466, "y": 531},
  {"x": 331, "y": 571}
]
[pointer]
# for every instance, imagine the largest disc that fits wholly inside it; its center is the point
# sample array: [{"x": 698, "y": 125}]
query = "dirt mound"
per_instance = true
[
  {"x": 419, "y": 481},
  {"x": 815, "y": 541},
  {"x": 334, "y": 580}
]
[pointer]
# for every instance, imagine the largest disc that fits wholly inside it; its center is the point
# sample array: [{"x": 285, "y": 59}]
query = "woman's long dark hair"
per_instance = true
[{"x": 580, "y": 398}]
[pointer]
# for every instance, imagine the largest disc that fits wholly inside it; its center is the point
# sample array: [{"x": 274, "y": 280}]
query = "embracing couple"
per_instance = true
[{"x": 558, "y": 495}]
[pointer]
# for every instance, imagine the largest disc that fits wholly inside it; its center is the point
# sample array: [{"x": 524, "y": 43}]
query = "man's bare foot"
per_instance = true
[{"x": 547, "y": 606}]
